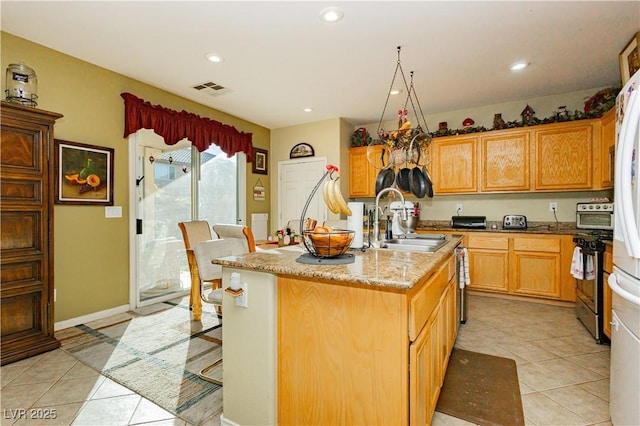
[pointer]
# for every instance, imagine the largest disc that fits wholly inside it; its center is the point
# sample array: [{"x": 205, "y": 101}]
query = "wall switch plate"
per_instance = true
[
  {"x": 113, "y": 211},
  {"x": 553, "y": 207}
]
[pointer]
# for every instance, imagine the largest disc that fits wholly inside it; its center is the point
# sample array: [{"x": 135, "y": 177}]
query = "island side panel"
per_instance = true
[
  {"x": 342, "y": 354},
  {"x": 249, "y": 351}
]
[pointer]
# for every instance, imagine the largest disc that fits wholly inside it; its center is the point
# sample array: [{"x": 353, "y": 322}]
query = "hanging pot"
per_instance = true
[
  {"x": 384, "y": 180},
  {"x": 428, "y": 182},
  {"x": 418, "y": 182},
  {"x": 403, "y": 179}
]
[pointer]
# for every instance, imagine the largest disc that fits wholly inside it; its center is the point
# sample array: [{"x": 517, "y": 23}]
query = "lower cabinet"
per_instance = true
[
  {"x": 360, "y": 355},
  {"x": 429, "y": 353},
  {"x": 533, "y": 265}
]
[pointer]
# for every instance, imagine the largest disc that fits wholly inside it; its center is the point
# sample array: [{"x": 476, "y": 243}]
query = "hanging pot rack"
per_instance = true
[{"x": 409, "y": 140}]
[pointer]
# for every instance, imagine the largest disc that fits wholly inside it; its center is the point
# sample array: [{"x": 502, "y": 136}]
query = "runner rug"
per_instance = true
[
  {"x": 482, "y": 389},
  {"x": 157, "y": 352}
]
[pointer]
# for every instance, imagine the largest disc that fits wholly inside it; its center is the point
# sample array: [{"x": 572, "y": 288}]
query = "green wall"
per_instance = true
[{"x": 92, "y": 252}]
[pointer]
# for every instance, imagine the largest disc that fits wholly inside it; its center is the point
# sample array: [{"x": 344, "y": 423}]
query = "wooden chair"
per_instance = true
[
  {"x": 240, "y": 233},
  {"x": 208, "y": 272},
  {"x": 193, "y": 233}
]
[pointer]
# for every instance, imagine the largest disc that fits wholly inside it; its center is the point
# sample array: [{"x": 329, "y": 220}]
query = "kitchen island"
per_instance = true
[{"x": 362, "y": 343}]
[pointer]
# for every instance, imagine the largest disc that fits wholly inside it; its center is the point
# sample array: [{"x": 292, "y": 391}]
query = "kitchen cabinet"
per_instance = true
[
  {"x": 564, "y": 155},
  {"x": 531, "y": 265},
  {"x": 26, "y": 219},
  {"x": 505, "y": 161},
  {"x": 430, "y": 351},
  {"x": 607, "y": 153},
  {"x": 488, "y": 261},
  {"x": 454, "y": 165},
  {"x": 363, "y": 174},
  {"x": 607, "y": 296}
]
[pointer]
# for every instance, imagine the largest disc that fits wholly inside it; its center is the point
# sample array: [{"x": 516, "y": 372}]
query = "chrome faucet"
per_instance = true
[{"x": 376, "y": 222}]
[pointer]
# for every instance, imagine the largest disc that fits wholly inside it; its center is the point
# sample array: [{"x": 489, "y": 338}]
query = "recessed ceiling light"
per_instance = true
[
  {"x": 213, "y": 57},
  {"x": 395, "y": 91},
  {"x": 308, "y": 110},
  {"x": 519, "y": 65},
  {"x": 331, "y": 15}
]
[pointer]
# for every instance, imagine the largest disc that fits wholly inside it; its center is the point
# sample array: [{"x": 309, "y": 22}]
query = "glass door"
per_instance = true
[{"x": 175, "y": 184}]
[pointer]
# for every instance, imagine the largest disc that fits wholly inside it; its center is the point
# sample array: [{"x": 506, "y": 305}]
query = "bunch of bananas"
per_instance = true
[{"x": 333, "y": 196}]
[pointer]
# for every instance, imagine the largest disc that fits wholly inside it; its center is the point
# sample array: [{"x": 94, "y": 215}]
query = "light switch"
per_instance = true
[{"x": 113, "y": 211}]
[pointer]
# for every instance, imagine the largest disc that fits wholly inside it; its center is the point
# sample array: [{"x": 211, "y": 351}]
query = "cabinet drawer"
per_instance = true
[
  {"x": 547, "y": 245},
  {"x": 426, "y": 300},
  {"x": 494, "y": 242}
]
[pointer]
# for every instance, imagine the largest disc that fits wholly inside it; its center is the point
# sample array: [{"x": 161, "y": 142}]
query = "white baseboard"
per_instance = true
[
  {"x": 91, "y": 317},
  {"x": 227, "y": 422}
]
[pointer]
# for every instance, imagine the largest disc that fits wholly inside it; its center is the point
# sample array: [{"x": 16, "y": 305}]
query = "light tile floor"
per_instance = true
[{"x": 563, "y": 373}]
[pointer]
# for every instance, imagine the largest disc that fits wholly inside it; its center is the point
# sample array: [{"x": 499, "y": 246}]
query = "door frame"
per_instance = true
[
  {"x": 321, "y": 160},
  {"x": 241, "y": 212}
]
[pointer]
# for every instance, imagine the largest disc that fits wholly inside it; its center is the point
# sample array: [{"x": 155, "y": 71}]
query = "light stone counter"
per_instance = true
[{"x": 391, "y": 269}]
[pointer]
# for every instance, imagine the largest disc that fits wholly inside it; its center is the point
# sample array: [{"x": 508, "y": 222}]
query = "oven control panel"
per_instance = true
[{"x": 514, "y": 221}]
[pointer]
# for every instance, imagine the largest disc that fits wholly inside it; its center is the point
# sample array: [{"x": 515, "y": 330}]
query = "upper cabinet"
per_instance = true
[
  {"x": 569, "y": 156},
  {"x": 362, "y": 174},
  {"x": 608, "y": 146},
  {"x": 565, "y": 156},
  {"x": 453, "y": 164},
  {"x": 505, "y": 161}
]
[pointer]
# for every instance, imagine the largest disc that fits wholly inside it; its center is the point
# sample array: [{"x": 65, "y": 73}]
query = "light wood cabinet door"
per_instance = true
[
  {"x": 536, "y": 274},
  {"x": 422, "y": 359},
  {"x": 488, "y": 262},
  {"x": 505, "y": 162},
  {"x": 362, "y": 179},
  {"x": 564, "y": 156},
  {"x": 607, "y": 152},
  {"x": 454, "y": 165}
]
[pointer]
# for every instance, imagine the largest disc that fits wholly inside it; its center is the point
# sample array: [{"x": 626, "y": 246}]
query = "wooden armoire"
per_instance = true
[{"x": 26, "y": 224}]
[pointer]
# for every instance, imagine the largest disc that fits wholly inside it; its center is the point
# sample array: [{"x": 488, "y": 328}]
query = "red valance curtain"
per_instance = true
[{"x": 174, "y": 126}]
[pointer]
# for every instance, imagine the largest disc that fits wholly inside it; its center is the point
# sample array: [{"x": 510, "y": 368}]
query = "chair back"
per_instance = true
[
  {"x": 195, "y": 232},
  {"x": 211, "y": 249},
  {"x": 242, "y": 236}
]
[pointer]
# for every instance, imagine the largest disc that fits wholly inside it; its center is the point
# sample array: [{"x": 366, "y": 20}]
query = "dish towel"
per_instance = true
[
  {"x": 589, "y": 270},
  {"x": 463, "y": 261},
  {"x": 577, "y": 267}
]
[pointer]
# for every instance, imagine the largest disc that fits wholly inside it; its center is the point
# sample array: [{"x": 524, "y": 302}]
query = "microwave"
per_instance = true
[{"x": 594, "y": 216}]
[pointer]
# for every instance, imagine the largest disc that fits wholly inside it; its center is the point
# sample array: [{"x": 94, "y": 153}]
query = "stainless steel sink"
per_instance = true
[{"x": 416, "y": 244}]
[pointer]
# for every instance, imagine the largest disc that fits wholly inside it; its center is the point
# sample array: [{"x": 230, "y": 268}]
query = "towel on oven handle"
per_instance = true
[
  {"x": 577, "y": 266},
  {"x": 589, "y": 270}
]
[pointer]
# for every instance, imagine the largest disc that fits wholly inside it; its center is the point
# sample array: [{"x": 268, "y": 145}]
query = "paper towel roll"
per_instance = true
[{"x": 355, "y": 222}]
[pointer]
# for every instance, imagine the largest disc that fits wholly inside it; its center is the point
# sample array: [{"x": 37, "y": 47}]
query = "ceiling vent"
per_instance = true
[{"x": 211, "y": 88}]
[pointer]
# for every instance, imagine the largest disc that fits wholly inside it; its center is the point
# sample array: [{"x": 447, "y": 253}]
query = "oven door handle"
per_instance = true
[{"x": 613, "y": 283}]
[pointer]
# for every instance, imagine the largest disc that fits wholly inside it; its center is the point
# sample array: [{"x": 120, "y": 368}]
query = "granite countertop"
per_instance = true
[
  {"x": 384, "y": 268},
  {"x": 564, "y": 228}
]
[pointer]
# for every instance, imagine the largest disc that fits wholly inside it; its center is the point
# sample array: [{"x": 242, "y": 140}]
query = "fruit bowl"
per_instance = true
[{"x": 328, "y": 244}]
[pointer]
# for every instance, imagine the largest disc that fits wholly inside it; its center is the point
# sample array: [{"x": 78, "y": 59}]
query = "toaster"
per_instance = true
[{"x": 514, "y": 221}]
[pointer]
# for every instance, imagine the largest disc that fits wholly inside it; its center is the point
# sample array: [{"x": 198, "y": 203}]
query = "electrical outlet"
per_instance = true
[
  {"x": 459, "y": 208},
  {"x": 243, "y": 300},
  {"x": 553, "y": 207}
]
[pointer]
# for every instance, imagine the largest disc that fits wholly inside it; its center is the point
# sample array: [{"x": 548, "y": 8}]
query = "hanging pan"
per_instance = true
[
  {"x": 385, "y": 177},
  {"x": 418, "y": 182}
]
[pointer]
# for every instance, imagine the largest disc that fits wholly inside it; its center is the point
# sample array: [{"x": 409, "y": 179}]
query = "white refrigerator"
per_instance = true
[{"x": 625, "y": 280}]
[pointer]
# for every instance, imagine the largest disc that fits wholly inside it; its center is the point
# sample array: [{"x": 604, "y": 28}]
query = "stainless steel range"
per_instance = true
[{"x": 587, "y": 268}]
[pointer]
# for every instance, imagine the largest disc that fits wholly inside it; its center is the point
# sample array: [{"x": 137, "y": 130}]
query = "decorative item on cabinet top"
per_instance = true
[
  {"x": 301, "y": 150},
  {"x": 361, "y": 138},
  {"x": 22, "y": 85}
]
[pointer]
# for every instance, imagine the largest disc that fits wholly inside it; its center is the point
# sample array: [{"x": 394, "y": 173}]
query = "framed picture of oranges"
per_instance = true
[{"x": 83, "y": 174}]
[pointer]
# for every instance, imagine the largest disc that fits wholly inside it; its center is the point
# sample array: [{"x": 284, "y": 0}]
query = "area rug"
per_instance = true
[
  {"x": 157, "y": 352},
  {"x": 482, "y": 389}
]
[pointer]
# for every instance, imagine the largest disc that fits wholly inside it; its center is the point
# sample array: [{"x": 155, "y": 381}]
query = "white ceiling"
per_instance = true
[{"x": 279, "y": 57}]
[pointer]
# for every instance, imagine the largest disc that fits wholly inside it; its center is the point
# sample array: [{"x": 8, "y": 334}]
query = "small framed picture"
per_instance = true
[
  {"x": 84, "y": 174},
  {"x": 301, "y": 150},
  {"x": 260, "y": 161},
  {"x": 630, "y": 59}
]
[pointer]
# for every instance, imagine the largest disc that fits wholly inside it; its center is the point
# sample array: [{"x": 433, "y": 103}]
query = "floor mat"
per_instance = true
[{"x": 482, "y": 389}]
